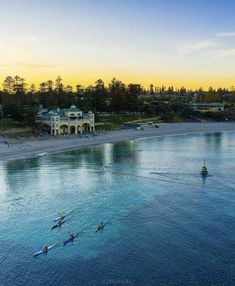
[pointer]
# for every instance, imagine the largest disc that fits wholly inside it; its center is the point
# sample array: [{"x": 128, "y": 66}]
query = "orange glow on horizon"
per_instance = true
[
  {"x": 88, "y": 78},
  {"x": 133, "y": 43}
]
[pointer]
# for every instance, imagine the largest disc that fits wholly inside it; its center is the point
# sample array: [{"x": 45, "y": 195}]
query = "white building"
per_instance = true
[
  {"x": 69, "y": 121},
  {"x": 208, "y": 106}
]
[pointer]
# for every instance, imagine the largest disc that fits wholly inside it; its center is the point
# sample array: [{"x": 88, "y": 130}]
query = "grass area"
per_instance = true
[
  {"x": 6, "y": 127},
  {"x": 173, "y": 119},
  {"x": 154, "y": 119},
  {"x": 6, "y": 120},
  {"x": 106, "y": 126},
  {"x": 9, "y": 124},
  {"x": 121, "y": 118},
  {"x": 11, "y": 129},
  {"x": 17, "y": 135}
]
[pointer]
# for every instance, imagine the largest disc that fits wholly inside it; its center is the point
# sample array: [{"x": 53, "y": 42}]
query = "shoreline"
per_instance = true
[{"x": 29, "y": 148}]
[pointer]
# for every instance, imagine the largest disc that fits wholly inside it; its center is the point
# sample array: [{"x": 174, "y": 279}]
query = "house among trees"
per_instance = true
[
  {"x": 208, "y": 106},
  {"x": 68, "y": 121}
]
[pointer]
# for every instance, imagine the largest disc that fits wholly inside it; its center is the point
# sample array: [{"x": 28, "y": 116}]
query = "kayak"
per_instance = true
[
  {"x": 42, "y": 154},
  {"x": 100, "y": 228},
  {"x": 41, "y": 251},
  {"x": 56, "y": 225},
  {"x": 63, "y": 216},
  {"x": 69, "y": 240}
]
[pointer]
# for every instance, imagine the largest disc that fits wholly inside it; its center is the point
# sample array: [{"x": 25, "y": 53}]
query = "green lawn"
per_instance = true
[
  {"x": 11, "y": 129},
  {"x": 104, "y": 126},
  {"x": 121, "y": 119},
  {"x": 7, "y": 127}
]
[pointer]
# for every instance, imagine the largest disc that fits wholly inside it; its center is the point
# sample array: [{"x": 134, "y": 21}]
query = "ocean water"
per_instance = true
[{"x": 165, "y": 224}]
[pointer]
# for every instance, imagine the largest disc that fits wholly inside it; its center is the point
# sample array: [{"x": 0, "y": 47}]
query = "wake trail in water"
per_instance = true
[{"x": 224, "y": 188}]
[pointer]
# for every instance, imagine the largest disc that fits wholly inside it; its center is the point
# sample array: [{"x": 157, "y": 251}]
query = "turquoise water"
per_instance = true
[{"x": 166, "y": 225}]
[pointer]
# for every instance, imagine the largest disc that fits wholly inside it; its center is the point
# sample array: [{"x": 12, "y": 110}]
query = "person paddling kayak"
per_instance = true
[
  {"x": 62, "y": 214},
  {"x": 45, "y": 249},
  {"x": 101, "y": 226},
  {"x": 59, "y": 223},
  {"x": 71, "y": 237}
]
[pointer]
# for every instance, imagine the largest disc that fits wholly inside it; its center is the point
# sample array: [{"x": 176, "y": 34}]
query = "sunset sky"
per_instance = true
[{"x": 172, "y": 42}]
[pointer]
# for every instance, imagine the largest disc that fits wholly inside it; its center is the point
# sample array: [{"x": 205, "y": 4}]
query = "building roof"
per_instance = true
[
  {"x": 55, "y": 112},
  {"x": 61, "y": 113},
  {"x": 72, "y": 108},
  {"x": 208, "y": 104}
]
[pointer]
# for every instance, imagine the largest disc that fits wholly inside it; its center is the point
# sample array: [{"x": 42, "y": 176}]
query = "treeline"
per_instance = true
[{"x": 21, "y": 101}]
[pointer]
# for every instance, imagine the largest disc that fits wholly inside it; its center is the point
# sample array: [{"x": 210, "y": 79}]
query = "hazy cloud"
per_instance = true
[
  {"x": 17, "y": 50},
  {"x": 33, "y": 38},
  {"x": 224, "y": 53},
  {"x": 27, "y": 64},
  {"x": 193, "y": 47},
  {"x": 226, "y": 34}
]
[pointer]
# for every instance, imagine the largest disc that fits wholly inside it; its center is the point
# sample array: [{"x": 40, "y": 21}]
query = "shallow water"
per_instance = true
[{"x": 166, "y": 226}]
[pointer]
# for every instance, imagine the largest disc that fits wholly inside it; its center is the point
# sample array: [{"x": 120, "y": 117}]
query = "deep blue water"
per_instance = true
[{"x": 166, "y": 226}]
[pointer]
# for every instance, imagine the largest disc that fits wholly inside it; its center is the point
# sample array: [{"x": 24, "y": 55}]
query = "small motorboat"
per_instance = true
[{"x": 204, "y": 171}]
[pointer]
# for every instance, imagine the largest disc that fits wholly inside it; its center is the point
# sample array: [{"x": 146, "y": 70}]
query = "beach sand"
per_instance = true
[{"x": 18, "y": 149}]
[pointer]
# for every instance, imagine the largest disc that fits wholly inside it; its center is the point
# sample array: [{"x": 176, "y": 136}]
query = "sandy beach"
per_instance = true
[{"x": 17, "y": 149}]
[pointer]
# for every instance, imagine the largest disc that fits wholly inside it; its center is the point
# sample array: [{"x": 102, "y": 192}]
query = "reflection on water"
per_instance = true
[{"x": 160, "y": 212}]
